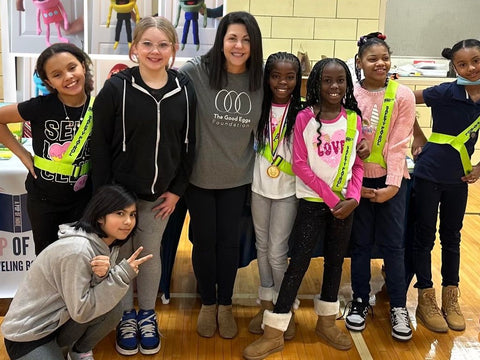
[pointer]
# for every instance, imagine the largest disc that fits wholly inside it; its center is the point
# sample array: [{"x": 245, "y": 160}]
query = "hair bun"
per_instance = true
[
  {"x": 381, "y": 36},
  {"x": 362, "y": 40}
]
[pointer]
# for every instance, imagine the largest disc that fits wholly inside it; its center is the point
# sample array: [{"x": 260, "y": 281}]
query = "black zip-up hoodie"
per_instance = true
[{"x": 141, "y": 143}]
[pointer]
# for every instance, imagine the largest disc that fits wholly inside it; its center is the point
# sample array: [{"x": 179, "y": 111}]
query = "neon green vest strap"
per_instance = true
[
  {"x": 341, "y": 178},
  {"x": 281, "y": 163},
  {"x": 376, "y": 153},
  {"x": 458, "y": 143},
  {"x": 65, "y": 165}
]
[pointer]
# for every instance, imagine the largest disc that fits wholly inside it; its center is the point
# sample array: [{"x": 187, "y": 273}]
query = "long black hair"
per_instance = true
[
  {"x": 107, "y": 199},
  {"x": 215, "y": 59},
  {"x": 295, "y": 102},
  {"x": 314, "y": 84}
]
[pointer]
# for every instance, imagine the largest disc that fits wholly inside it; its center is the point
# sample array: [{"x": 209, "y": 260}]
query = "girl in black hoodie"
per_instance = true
[{"x": 143, "y": 138}]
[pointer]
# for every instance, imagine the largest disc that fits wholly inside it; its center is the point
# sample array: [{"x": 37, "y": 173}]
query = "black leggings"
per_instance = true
[
  {"x": 215, "y": 217},
  {"x": 123, "y": 17},
  {"x": 315, "y": 222},
  {"x": 45, "y": 217}
]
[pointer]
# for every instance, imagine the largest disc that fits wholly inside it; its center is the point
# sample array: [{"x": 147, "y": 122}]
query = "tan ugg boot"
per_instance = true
[
  {"x": 326, "y": 324},
  {"x": 207, "y": 321},
  {"x": 227, "y": 326},
  {"x": 451, "y": 309},
  {"x": 266, "y": 303},
  {"x": 272, "y": 338},
  {"x": 428, "y": 311},
  {"x": 289, "y": 334}
]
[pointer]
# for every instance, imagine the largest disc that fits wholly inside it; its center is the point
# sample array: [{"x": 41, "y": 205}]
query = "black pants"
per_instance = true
[
  {"x": 315, "y": 222},
  {"x": 453, "y": 201},
  {"x": 215, "y": 217},
  {"x": 123, "y": 17},
  {"x": 46, "y": 215}
]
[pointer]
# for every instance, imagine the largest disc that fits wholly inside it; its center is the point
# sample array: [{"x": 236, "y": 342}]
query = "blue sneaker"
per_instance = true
[
  {"x": 149, "y": 335},
  {"x": 127, "y": 334}
]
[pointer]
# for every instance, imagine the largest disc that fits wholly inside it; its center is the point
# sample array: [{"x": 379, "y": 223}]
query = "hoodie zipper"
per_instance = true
[{"x": 157, "y": 143}]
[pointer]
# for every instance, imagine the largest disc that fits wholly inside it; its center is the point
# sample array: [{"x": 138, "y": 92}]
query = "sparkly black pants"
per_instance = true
[{"x": 315, "y": 222}]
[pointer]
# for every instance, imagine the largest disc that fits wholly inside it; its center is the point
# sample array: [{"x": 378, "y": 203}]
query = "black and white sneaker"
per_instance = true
[
  {"x": 357, "y": 314},
  {"x": 400, "y": 324}
]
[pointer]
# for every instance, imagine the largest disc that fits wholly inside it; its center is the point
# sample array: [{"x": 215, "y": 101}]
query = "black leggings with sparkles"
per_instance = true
[{"x": 315, "y": 222}]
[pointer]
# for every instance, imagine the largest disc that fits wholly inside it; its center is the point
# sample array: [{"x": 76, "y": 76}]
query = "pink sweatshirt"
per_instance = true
[
  {"x": 317, "y": 166},
  {"x": 399, "y": 133}
]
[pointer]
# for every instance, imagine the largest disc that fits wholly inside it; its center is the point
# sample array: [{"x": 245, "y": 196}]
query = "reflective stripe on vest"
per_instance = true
[
  {"x": 376, "y": 153},
  {"x": 65, "y": 165},
  {"x": 341, "y": 178},
  {"x": 458, "y": 143}
]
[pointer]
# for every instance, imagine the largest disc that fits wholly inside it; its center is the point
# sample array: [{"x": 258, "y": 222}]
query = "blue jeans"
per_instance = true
[
  {"x": 383, "y": 224},
  {"x": 273, "y": 220},
  {"x": 453, "y": 201}
]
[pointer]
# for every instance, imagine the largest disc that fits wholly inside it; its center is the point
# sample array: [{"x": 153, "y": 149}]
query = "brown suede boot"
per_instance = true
[
  {"x": 326, "y": 324},
  {"x": 428, "y": 311},
  {"x": 255, "y": 326},
  {"x": 207, "y": 321},
  {"x": 272, "y": 338},
  {"x": 328, "y": 331},
  {"x": 227, "y": 327},
  {"x": 451, "y": 309},
  {"x": 289, "y": 334}
]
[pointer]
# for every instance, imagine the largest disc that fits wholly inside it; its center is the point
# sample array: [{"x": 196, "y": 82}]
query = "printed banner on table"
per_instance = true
[{"x": 17, "y": 250}]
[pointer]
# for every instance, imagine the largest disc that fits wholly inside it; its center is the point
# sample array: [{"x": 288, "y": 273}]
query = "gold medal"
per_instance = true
[{"x": 273, "y": 171}]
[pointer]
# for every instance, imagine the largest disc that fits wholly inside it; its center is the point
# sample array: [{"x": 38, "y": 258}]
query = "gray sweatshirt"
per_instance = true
[
  {"x": 226, "y": 123},
  {"x": 60, "y": 286}
]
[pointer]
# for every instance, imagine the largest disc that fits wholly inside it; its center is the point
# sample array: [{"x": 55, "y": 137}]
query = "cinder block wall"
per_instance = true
[{"x": 321, "y": 27}]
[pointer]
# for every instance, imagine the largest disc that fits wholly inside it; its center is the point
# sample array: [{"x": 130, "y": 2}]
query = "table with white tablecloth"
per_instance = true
[{"x": 17, "y": 250}]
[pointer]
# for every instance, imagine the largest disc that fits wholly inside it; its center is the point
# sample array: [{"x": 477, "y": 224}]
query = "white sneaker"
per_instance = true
[
  {"x": 400, "y": 324},
  {"x": 72, "y": 355}
]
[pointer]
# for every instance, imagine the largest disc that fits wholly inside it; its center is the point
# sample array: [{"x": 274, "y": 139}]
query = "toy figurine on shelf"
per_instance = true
[
  {"x": 191, "y": 8},
  {"x": 123, "y": 9},
  {"x": 52, "y": 11}
]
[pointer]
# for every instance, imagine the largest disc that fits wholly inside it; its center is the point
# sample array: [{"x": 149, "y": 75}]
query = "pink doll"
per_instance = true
[{"x": 52, "y": 11}]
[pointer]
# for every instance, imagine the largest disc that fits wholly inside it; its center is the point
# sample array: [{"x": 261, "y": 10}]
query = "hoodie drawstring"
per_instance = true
[{"x": 124, "y": 143}]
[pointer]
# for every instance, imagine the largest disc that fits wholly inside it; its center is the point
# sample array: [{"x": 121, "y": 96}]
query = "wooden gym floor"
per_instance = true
[{"x": 177, "y": 320}]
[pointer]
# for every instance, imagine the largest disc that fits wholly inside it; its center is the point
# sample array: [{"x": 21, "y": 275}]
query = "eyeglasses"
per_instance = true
[{"x": 149, "y": 46}]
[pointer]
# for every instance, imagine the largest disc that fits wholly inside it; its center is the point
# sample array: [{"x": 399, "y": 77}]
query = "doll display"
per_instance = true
[
  {"x": 124, "y": 10},
  {"x": 191, "y": 8},
  {"x": 52, "y": 12}
]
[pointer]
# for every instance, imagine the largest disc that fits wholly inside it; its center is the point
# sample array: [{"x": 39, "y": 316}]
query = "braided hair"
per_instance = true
[
  {"x": 367, "y": 41},
  {"x": 314, "y": 84},
  {"x": 295, "y": 102}
]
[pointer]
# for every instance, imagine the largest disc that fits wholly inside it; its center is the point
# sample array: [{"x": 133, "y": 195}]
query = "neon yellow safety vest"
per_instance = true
[
  {"x": 341, "y": 178},
  {"x": 65, "y": 165},
  {"x": 376, "y": 153},
  {"x": 458, "y": 143}
]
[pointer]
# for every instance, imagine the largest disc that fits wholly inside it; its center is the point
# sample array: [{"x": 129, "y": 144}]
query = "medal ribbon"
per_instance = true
[{"x": 276, "y": 135}]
